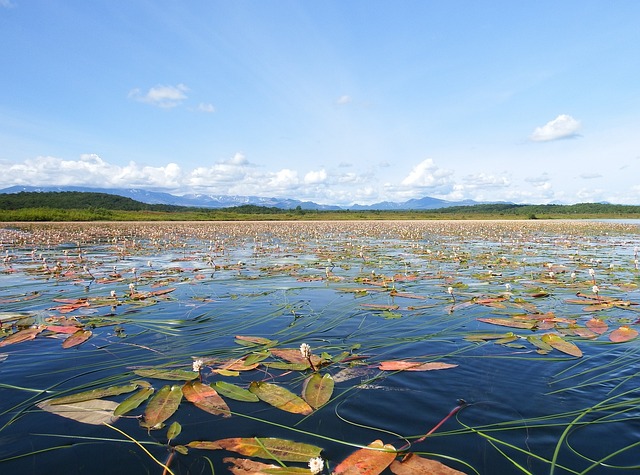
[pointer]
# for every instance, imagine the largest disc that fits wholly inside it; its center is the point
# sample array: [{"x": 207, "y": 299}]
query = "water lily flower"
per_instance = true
[
  {"x": 316, "y": 465},
  {"x": 305, "y": 350},
  {"x": 197, "y": 365},
  {"x": 595, "y": 289}
]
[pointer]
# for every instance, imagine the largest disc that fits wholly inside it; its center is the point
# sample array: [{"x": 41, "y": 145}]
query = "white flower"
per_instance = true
[
  {"x": 316, "y": 465},
  {"x": 507, "y": 286},
  {"x": 595, "y": 289},
  {"x": 592, "y": 272},
  {"x": 197, "y": 365},
  {"x": 450, "y": 290},
  {"x": 113, "y": 294},
  {"x": 573, "y": 275},
  {"x": 305, "y": 350}
]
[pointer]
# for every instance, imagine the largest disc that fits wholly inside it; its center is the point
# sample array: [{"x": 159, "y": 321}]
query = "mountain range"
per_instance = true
[{"x": 228, "y": 201}]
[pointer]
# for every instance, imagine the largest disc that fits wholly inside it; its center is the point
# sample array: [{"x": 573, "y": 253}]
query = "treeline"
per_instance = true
[
  {"x": 533, "y": 211},
  {"x": 76, "y": 200},
  {"x": 90, "y": 206}
]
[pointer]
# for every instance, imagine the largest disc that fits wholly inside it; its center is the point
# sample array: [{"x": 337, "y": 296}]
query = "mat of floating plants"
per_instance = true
[{"x": 415, "y": 347}]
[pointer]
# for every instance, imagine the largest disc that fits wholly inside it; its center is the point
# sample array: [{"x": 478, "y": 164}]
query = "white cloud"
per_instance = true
[
  {"x": 205, "y": 107},
  {"x": 342, "y": 100},
  {"x": 314, "y": 177},
  {"x": 161, "y": 96},
  {"x": 589, "y": 176},
  {"x": 426, "y": 175},
  {"x": 90, "y": 170},
  {"x": 562, "y": 127},
  {"x": 483, "y": 180}
]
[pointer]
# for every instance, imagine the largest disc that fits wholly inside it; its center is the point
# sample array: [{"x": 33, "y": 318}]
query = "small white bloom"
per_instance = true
[
  {"x": 450, "y": 290},
  {"x": 595, "y": 289},
  {"x": 592, "y": 272},
  {"x": 197, "y": 365},
  {"x": 508, "y": 287},
  {"x": 305, "y": 350},
  {"x": 113, "y": 294},
  {"x": 316, "y": 465},
  {"x": 573, "y": 275}
]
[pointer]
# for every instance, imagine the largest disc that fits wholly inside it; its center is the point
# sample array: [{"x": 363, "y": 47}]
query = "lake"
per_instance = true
[{"x": 200, "y": 348}]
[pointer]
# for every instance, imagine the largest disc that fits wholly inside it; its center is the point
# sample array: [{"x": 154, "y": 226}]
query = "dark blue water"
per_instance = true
[{"x": 318, "y": 283}]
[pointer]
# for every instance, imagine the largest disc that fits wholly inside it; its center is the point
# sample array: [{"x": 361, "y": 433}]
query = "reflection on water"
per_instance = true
[{"x": 370, "y": 292}]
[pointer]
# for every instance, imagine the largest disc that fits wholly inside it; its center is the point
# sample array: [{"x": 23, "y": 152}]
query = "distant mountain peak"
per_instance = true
[{"x": 203, "y": 200}]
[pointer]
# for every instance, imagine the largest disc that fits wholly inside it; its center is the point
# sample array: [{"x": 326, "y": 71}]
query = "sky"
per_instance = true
[{"x": 336, "y": 101}]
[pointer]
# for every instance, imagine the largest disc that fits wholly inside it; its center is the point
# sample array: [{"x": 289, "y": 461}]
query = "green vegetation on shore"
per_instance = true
[{"x": 87, "y": 206}]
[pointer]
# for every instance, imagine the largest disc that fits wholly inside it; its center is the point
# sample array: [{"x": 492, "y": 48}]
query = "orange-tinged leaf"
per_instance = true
[
  {"x": 20, "y": 336},
  {"x": 248, "y": 467},
  {"x": 205, "y": 398},
  {"x": 415, "y": 465},
  {"x": 70, "y": 329},
  {"x": 280, "y": 397},
  {"x": 413, "y": 366},
  {"x": 368, "y": 461},
  {"x": 78, "y": 338},
  {"x": 294, "y": 356},
  {"x": 264, "y": 447},
  {"x": 162, "y": 406},
  {"x": 237, "y": 365},
  {"x": 624, "y": 333},
  {"x": 558, "y": 343},
  {"x": 317, "y": 389},
  {"x": 508, "y": 322},
  {"x": 597, "y": 326}
]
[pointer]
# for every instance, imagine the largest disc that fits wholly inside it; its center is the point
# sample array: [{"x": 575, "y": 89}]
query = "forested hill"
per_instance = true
[
  {"x": 76, "y": 200},
  {"x": 95, "y": 205}
]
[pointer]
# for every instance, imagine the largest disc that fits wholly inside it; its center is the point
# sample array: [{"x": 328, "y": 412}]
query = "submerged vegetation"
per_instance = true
[
  {"x": 320, "y": 347},
  {"x": 87, "y": 206}
]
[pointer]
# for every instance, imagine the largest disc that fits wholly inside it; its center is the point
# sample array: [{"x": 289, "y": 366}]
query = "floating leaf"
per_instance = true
[
  {"x": 562, "y": 345},
  {"x": 174, "y": 430},
  {"x": 256, "y": 357},
  {"x": 543, "y": 347},
  {"x": 293, "y": 355},
  {"x": 234, "y": 392},
  {"x": 167, "y": 374},
  {"x": 280, "y": 397},
  {"x": 93, "y": 411},
  {"x": 237, "y": 365},
  {"x": 70, "y": 329},
  {"x": 205, "y": 398},
  {"x": 265, "y": 448},
  {"x": 254, "y": 340},
  {"x": 509, "y": 322},
  {"x": 368, "y": 461},
  {"x": 624, "y": 333},
  {"x": 413, "y": 366},
  {"x": 133, "y": 401},
  {"x": 94, "y": 394},
  {"x": 249, "y": 467},
  {"x": 597, "y": 326},
  {"x": 287, "y": 366},
  {"x": 415, "y": 465},
  {"x": 317, "y": 390},
  {"x": 20, "y": 336},
  {"x": 162, "y": 406},
  {"x": 78, "y": 338}
]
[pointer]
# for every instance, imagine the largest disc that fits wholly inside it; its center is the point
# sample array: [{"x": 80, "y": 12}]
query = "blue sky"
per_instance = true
[{"x": 334, "y": 101}]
